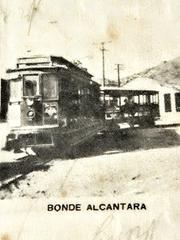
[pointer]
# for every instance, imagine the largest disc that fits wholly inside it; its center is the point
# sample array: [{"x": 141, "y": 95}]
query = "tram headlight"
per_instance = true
[
  {"x": 29, "y": 101},
  {"x": 31, "y": 114}
]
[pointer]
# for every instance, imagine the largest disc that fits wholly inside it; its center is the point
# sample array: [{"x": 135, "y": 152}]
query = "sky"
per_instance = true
[{"x": 138, "y": 33}]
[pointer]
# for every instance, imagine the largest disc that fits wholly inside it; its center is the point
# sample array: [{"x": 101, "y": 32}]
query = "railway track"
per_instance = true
[
  {"x": 13, "y": 181},
  {"x": 15, "y": 172}
]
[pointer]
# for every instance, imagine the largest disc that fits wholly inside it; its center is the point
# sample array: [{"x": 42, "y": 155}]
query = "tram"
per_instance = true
[
  {"x": 53, "y": 102},
  {"x": 128, "y": 108}
]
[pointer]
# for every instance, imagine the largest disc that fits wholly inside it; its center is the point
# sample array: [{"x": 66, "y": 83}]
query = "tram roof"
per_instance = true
[
  {"x": 138, "y": 86},
  {"x": 46, "y": 62}
]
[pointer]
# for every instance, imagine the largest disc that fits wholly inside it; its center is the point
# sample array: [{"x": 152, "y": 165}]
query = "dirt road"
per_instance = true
[{"x": 144, "y": 161}]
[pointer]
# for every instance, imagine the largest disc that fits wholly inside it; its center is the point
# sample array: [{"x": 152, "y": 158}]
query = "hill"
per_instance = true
[{"x": 168, "y": 72}]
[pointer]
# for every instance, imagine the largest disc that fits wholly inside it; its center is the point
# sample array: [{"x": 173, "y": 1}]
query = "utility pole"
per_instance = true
[
  {"x": 103, "y": 67},
  {"x": 103, "y": 63},
  {"x": 119, "y": 67},
  {"x": 103, "y": 49}
]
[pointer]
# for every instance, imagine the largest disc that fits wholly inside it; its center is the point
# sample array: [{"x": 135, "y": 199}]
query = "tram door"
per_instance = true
[{"x": 4, "y": 99}]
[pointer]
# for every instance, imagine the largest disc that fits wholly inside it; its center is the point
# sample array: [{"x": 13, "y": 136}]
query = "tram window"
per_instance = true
[
  {"x": 31, "y": 85},
  {"x": 141, "y": 99},
  {"x": 49, "y": 86},
  {"x": 177, "y": 99},
  {"x": 156, "y": 98},
  {"x": 167, "y": 102},
  {"x": 152, "y": 99},
  {"x": 65, "y": 85},
  {"x": 135, "y": 99}
]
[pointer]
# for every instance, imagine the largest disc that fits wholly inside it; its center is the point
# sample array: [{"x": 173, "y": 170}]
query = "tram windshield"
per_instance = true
[
  {"x": 31, "y": 85},
  {"x": 49, "y": 86}
]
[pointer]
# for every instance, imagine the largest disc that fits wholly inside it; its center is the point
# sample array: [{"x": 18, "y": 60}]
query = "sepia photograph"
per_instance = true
[{"x": 89, "y": 119}]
